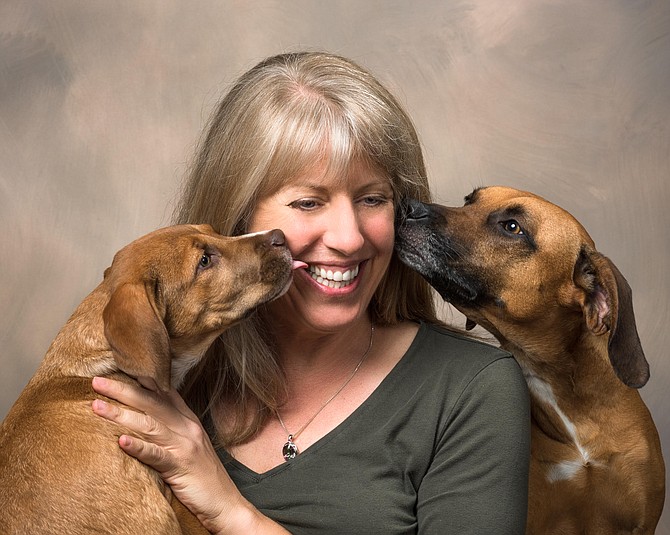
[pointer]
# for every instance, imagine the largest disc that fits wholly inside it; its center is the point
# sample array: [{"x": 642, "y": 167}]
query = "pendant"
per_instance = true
[{"x": 290, "y": 450}]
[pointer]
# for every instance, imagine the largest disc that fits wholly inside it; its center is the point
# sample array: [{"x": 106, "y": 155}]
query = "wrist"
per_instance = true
[{"x": 241, "y": 517}]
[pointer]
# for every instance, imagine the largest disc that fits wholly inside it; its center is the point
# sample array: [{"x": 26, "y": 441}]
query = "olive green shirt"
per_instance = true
[{"x": 441, "y": 446}]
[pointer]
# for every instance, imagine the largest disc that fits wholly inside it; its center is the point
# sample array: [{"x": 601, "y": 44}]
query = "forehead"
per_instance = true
[
  {"x": 160, "y": 245},
  {"x": 500, "y": 197},
  {"x": 532, "y": 209},
  {"x": 498, "y": 194}
]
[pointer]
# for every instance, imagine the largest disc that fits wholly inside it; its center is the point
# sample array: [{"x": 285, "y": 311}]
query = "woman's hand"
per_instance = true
[{"x": 167, "y": 436}]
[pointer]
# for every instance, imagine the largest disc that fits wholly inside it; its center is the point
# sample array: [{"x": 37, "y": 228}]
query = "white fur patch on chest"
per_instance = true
[{"x": 568, "y": 469}]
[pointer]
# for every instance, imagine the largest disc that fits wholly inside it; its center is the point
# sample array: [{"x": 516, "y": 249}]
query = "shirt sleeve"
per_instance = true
[{"x": 477, "y": 482}]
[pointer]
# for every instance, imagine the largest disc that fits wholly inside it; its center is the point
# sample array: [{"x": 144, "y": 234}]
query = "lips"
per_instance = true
[{"x": 333, "y": 278}]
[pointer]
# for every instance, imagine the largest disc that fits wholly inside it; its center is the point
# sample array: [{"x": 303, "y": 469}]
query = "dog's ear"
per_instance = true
[
  {"x": 137, "y": 335},
  {"x": 608, "y": 307}
]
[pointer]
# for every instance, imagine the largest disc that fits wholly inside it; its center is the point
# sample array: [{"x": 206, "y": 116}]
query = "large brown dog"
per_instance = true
[
  {"x": 529, "y": 273},
  {"x": 161, "y": 304}
]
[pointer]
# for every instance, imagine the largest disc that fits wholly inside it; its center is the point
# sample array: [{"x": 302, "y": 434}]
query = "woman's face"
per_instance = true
[{"x": 343, "y": 230}]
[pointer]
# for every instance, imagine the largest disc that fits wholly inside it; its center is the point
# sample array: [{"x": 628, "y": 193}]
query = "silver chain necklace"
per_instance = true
[{"x": 290, "y": 450}]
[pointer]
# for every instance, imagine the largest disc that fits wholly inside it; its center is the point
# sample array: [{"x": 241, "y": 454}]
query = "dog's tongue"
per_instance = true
[{"x": 299, "y": 264}]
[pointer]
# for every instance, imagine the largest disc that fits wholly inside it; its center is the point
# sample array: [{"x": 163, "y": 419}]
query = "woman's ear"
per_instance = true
[
  {"x": 137, "y": 335},
  {"x": 608, "y": 307}
]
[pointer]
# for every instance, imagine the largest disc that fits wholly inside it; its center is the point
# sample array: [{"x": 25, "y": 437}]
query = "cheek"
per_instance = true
[
  {"x": 299, "y": 236},
  {"x": 380, "y": 231}
]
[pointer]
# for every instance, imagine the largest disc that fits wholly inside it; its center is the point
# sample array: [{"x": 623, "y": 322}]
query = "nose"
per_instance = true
[
  {"x": 414, "y": 210},
  {"x": 276, "y": 238},
  {"x": 343, "y": 231},
  {"x": 268, "y": 240}
]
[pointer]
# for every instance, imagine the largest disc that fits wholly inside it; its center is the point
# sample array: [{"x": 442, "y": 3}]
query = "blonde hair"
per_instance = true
[{"x": 279, "y": 118}]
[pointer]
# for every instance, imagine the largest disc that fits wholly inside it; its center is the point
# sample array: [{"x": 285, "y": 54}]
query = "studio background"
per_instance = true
[{"x": 101, "y": 104}]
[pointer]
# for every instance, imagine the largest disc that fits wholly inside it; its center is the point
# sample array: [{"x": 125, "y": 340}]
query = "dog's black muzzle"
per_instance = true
[{"x": 422, "y": 244}]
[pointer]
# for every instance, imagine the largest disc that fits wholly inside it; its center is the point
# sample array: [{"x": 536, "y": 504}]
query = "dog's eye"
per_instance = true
[
  {"x": 512, "y": 227},
  {"x": 205, "y": 261}
]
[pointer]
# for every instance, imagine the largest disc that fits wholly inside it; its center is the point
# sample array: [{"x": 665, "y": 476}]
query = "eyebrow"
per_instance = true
[{"x": 515, "y": 210}]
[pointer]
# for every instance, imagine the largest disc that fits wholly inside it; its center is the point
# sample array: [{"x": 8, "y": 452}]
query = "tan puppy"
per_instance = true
[
  {"x": 529, "y": 273},
  {"x": 163, "y": 301}
]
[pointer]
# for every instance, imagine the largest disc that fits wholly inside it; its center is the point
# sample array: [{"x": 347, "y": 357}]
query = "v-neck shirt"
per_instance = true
[{"x": 440, "y": 446}]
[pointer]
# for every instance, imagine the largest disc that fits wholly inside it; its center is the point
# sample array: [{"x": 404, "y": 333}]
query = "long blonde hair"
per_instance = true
[{"x": 281, "y": 117}]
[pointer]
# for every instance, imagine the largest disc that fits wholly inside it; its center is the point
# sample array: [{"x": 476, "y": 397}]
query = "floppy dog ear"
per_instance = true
[
  {"x": 138, "y": 337},
  {"x": 608, "y": 306}
]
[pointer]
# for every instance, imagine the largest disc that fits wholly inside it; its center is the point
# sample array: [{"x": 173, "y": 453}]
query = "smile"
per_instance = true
[{"x": 333, "y": 279}]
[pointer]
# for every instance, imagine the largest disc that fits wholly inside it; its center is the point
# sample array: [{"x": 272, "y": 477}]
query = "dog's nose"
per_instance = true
[
  {"x": 277, "y": 238},
  {"x": 415, "y": 210}
]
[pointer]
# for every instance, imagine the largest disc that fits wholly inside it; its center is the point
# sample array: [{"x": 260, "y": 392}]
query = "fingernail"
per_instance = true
[
  {"x": 100, "y": 382},
  {"x": 99, "y": 405}
]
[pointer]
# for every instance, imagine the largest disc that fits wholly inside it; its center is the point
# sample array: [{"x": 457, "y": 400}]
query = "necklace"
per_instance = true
[{"x": 290, "y": 450}]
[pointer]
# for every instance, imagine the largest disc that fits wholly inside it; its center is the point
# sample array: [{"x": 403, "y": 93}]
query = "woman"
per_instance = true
[{"x": 343, "y": 406}]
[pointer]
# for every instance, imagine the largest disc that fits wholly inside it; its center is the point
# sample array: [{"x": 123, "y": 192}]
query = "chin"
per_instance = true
[{"x": 327, "y": 313}]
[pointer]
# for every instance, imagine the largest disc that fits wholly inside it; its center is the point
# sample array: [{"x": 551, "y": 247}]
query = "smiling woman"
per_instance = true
[
  {"x": 338, "y": 225},
  {"x": 346, "y": 387}
]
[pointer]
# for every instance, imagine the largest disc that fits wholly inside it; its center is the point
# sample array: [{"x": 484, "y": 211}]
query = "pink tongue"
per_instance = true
[{"x": 298, "y": 264}]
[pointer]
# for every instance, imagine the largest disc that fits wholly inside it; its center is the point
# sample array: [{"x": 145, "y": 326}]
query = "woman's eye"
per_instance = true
[
  {"x": 512, "y": 227},
  {"x": 304, "y": 204},
  {"x": 205, "y": 261},
  {"x": 373, "y": 200}
]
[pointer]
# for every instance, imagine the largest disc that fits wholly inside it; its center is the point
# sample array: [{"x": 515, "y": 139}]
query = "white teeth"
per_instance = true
[{"x": 333, "y": 279}]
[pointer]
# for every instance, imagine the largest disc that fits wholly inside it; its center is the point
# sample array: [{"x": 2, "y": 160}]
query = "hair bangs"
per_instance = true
[{"x": 314, "y": 134}]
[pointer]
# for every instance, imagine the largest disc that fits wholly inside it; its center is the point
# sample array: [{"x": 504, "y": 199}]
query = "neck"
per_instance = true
[
  {"x": 305, "y": 351},
  {"x": 290, "y": 449},
  {"x": 320, "y": 366},
  {"x": 561, "y": 384},
  {"x": 81, "y": 348}
]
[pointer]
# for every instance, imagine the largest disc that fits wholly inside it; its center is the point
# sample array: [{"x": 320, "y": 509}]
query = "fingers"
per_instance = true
[
  {"x": 125, "y": 393},
  {"x": 137, "y": 422},
  {"x": 149, "y": 415},
  {"x": 161, "y": 424},
  {"x": 165, "y": 406},
  {"x": 145, "y": 414},
  {"x": 146, "y": 452},
  {"x": 150, "y": 442}
]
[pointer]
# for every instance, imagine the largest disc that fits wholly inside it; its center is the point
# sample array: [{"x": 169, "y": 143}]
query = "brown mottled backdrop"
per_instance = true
[{"x": 101, "y": 104}]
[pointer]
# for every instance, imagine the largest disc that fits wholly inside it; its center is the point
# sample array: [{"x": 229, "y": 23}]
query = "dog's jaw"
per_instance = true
[{"x": 419, "y": 248}]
